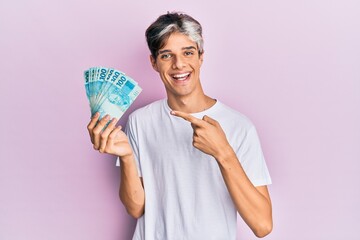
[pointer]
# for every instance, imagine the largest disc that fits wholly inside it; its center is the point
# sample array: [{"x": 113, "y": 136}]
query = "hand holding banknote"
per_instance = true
[
  {"x": 110, "y": 93},
  {"x": 109, "y": 139}
]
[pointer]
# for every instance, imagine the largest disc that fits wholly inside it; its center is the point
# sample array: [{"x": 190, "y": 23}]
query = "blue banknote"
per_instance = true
[
  {"x": 92, "y": 74},
  {"x": 110, "y": 79},
  {"x": 87, "y": 78},
  {"x": 110, "y": 91},
  {"x": 99, "y": 81},
  {"x": 120, "y": 95}
]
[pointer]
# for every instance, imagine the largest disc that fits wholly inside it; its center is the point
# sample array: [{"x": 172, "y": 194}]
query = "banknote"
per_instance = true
[
  {"x": 119, "y": 99},
  {"x": 111, "y": 77},
  {"x": 99, "y": 81},
  {"x": 110, "y": 91},
  {"x": 91, "y": 83},
  {"x": 87, "y": 79}
]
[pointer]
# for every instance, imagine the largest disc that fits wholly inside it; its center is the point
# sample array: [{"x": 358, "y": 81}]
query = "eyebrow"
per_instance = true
[{"x": 184, "y": 48}]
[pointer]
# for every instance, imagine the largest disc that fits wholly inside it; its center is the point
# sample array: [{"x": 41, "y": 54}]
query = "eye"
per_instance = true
[
  {"x": 189, "y": 53},
  {"x": 165, "y": 56}
]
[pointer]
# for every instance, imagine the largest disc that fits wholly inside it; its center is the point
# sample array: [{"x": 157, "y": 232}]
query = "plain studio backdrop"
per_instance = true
[{"x": 293, "y": 67}]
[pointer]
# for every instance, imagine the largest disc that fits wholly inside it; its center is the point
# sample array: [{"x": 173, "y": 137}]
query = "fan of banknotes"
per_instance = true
[{"x": 110, "y": 91}]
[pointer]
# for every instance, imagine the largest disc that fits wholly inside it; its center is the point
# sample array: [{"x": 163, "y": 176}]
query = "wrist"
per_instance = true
[
  {"x": 225, "y": 154},
  {"x": 127, "y": 158}
]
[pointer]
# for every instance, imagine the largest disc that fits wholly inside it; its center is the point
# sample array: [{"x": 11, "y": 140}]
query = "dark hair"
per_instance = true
[{"x": 160, "y": 30}]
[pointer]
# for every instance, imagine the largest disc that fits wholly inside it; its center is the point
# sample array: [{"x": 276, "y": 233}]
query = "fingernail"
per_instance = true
[
  {"x": 114, "y": 120},
  {"x": 107, "y": 117},
  {"x": 172, "y": 112},
  {"x": 95, "y": 115}
]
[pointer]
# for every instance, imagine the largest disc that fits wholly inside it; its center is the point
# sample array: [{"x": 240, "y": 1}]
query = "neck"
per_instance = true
[{"x": 191, "y": 103}]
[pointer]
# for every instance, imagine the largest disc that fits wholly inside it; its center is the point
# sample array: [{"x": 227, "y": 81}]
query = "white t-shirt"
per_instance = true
[{"x": 185, "y": 194}]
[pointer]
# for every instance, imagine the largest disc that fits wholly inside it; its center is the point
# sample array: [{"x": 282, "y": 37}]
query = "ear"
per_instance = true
[
  {"x": 153, "y": 63},
  {"x": 201, "y": 58}
]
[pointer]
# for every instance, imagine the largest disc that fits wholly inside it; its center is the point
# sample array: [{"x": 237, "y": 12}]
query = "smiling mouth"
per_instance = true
[{"x": 181, "y": 76}]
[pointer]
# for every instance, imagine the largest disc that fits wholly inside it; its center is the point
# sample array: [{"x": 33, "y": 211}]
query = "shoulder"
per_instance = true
[
  {"x": 238, "y": 128},
  {"x": 230, "y": 116}
]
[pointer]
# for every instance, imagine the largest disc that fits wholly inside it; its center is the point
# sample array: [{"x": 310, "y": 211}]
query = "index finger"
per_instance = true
[
  {"x": 188, "y": 117},
  {"x": 93, "y": 121}
]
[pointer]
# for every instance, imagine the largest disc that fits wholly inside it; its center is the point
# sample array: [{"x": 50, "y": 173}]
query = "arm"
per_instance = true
[
  {"x": 252, "y": 203},
  {"x": 131, "y": 188},
  {"x": 114, "y": 141}
]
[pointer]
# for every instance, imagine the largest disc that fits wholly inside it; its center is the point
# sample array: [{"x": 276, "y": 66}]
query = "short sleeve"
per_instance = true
[
  {"x": 130, "y": 131},
  {"x": 252, "y": 159}
]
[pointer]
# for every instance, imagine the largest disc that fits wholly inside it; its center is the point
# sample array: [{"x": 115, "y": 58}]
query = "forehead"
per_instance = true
[{"x": 178, "y": 41}]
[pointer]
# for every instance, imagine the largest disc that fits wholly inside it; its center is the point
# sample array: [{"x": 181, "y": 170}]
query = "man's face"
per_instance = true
[{"x": 178, "y": 64}]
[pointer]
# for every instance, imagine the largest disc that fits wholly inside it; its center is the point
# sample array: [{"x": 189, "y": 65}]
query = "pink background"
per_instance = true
[{"x": 292, "y": 67}]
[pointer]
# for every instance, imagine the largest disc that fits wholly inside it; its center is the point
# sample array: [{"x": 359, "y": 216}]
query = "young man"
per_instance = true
[{"x": 188, "y": 163}]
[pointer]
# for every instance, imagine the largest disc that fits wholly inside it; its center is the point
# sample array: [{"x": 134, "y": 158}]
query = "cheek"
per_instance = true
[
  {"x": 196, "y": 67},
  {"x": 196, "y": 63},
  {"x": 163, "y": 68}
]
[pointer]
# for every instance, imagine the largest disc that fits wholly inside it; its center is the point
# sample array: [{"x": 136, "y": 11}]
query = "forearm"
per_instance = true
[
  {"x": 253, "y": 206},
  {"x": 131, "y": 190}
]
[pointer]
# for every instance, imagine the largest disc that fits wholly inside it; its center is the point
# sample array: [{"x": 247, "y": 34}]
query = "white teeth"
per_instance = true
[{"x": 181, "y": 75}]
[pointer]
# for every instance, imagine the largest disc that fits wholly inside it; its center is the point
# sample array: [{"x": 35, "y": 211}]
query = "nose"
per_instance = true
[{"x": 178, "y": 62}]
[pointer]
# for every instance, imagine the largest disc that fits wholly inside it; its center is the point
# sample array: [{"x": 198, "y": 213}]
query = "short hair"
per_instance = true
[{"x": 159, "y": 31}]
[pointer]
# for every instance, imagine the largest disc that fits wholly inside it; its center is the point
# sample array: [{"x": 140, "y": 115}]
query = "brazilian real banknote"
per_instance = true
[{"x": 110, "y": 91}]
